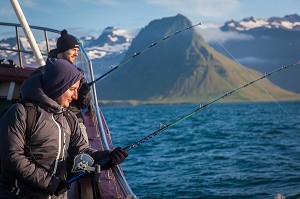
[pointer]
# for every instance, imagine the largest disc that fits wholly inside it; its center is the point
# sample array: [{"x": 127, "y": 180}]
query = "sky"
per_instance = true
[{"x": 81, "y": 17}]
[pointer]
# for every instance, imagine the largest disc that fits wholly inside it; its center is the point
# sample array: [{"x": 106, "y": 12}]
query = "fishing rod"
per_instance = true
[
  {"x": 141, "y": 52},
  {"x": 202, "y": 106}
]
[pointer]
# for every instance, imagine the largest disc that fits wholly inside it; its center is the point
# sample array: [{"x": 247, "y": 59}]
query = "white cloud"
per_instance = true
[
  {"x": 94, "y": 2},
  {"x": 29, "y": 4},
  {"x": 217, "y": 35},
  {"x": 5, "y": 12},
  {"x": 206, "y": 8},
  {"x": 255, "y": 60}
]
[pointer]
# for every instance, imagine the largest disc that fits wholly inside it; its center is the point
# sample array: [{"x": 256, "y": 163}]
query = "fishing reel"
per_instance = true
[{"x": 83, "y": 162}]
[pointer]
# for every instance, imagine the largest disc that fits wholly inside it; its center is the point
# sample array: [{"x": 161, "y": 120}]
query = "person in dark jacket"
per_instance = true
[{"x": 40, "y": 172}]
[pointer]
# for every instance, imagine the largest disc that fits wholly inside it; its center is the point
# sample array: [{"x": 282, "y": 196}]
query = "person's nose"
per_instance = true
[{"x": 75, "y": 95}]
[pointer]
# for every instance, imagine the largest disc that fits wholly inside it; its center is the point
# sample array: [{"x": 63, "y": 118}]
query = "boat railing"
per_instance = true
[
  {"x": 18, "y": 29},
  {"x": 116, "y": 170}
]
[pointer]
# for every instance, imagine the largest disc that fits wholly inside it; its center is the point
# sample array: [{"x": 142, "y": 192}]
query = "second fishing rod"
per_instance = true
[{"x": 128, "y": 59}]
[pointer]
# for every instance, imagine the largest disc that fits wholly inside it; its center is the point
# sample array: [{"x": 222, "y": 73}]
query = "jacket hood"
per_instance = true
[
  {"x": 31, "y": 89},
  {"x": 59, "y": 76}
]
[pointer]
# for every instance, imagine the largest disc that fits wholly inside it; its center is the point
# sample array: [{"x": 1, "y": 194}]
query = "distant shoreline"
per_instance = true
[{"x": 108, "y": 103}]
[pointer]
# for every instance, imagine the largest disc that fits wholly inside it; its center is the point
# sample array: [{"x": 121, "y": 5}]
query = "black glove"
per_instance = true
[
  {"x": 115, "y": 157},
  {"x": 84, "y": 89},
  {"x": 62, "y": 187},
  {"x": 83, "y": 96}
]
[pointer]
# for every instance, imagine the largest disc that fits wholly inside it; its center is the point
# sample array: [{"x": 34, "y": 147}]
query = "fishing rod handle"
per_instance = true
[
  {"x": 80, "y": 175},
  {"x": 103, "y": 162}
]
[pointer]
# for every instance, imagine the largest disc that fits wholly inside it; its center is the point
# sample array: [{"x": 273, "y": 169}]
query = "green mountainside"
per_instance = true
[{"x": 182, "y": 69}]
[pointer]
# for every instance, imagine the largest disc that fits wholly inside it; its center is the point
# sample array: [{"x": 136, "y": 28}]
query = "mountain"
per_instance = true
[
  {"x": 11, "y": 43},
  {"x": 108, "y": 49},
  {"x": 111, "y": 36},
  {"x": 288, "y": 22},
  {"x": 271, "y": 43},
  {"x": 181, "y": 69}
]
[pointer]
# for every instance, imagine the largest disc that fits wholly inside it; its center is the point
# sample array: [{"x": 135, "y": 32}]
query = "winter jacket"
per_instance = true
[{"x": 35, "y": 173}]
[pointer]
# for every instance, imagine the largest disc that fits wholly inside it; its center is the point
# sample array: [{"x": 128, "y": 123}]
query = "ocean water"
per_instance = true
[{"x": 230, "y": 150}]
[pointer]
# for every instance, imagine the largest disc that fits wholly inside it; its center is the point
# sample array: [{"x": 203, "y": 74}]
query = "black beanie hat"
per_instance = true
[
  {"x": 66, "y": 42},
  {"x": 59, "y": 76}
]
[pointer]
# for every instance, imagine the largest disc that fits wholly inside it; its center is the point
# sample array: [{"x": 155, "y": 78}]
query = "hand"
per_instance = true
[
  {"x": 115, "y": 157},
  {"x": 62, "y": 187}
]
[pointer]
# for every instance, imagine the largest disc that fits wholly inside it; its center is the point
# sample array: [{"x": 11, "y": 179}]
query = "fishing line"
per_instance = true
[
  {"x": 203, "y": 106},
  {"x": 200, "y": 108},
  {"x": 123, "y": 63},
  {"x": 130, "y": 58},
  {"x": 185, "y": 116},
  {"x": 292, "y": 118}
]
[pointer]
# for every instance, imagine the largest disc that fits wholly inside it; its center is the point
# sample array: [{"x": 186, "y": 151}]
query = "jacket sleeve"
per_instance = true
[{"x": 13, "y": 159}]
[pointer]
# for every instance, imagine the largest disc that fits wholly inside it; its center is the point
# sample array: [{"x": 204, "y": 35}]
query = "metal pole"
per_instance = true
[
  {"x": 19, "y": 47},
  {"x": 36, "y": 51}
]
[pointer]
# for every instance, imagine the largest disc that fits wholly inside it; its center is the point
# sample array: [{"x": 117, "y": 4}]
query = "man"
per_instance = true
[
  {"x": 67, "y": 47},
  {"x": 38, "y": 171}
]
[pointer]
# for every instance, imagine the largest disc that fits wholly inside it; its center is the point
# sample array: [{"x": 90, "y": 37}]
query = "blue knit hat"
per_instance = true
[{"x": 59, "y": 76}]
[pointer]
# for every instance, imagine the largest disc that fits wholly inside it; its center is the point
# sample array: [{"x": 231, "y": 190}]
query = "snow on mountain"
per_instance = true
[
  {"x": 290, "y": 22},
  {"x": 112, "y": 41},
  {"x": 108, "y": 49},
  {"x": 11, "y": 43},
  {"x": 96, "y": 52}
]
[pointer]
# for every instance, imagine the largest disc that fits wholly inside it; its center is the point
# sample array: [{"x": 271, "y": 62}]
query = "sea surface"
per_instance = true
[{"x": 230, "y": 150}]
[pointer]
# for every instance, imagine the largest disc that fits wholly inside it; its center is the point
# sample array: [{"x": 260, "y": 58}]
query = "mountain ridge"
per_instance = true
[
  {"x": 266, "y": 48},
  {"x": 193, "y": 69},
  {"x": 184, "y": 82},
  {"x": 289, "y": 22}
]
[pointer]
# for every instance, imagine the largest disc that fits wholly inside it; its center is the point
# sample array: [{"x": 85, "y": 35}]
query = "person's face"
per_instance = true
[
  {"x": 69, "y": 55},
  {"x": 72, "y": 93}
]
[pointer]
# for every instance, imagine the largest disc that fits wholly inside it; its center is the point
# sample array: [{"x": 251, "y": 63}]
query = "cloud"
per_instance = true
[
  {"x": 37, "y": 6},
  {"x": 6, "y": 12},
  {"x": 95, "y": 2},
  {"x": 212, "y": 34},
  {"x": 206, "y": 8},
  {"x": 29, "y": 4},
  {"x": 254, "y": 60}
]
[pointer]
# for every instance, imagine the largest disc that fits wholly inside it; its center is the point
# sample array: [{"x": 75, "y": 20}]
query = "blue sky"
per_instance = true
[{"x": 92, "y": 16}]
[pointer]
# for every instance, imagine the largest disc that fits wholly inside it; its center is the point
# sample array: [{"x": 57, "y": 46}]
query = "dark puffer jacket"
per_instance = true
[{"x": 52, "y": 142}]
